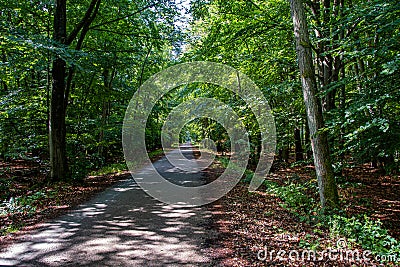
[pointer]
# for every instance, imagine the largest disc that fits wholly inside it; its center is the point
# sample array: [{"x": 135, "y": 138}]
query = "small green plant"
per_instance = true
[
  {"x": 248, "y": 174},
  {"x": 268, "y": 213},
  {"x": 10, "y": 229},
  {"x": 309, "y": 243},
  {"x": 295, "y": 198},
  {"x": 16, "y": 205},
  {"x": 343, "y": 182},
  {"x": 366, "y": 232},
  {"x": 4, "y": 185},
  {"x": 155, "y": 153},
  {"x": 23, "y": 204}
]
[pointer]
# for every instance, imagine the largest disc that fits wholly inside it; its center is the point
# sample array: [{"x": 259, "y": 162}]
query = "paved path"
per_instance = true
[{"x": 121, "y": 226}]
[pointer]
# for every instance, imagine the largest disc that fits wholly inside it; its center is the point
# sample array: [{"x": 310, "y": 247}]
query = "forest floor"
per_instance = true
[
  {"x": 254, "y": 226},
  {"x": 249, "y": 224}
]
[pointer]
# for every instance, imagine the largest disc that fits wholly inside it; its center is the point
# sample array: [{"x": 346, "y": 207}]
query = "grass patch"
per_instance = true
[
  {"x": 118, "y": 168},
  {"x": 156, "y": 153},
  {"x": 109, "y": 169}
]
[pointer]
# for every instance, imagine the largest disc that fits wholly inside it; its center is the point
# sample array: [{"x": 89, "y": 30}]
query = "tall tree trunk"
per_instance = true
[
  {"x": 342, "y": 103},
  {"x": 57, "y": 129},
  {"x": 108, "y": 79},
  {"x": 307, "y": 140},
  {"x": 60, "y": 88},
  {"x": 319, "y": 141},
  {"x": 298, "y": 148}
]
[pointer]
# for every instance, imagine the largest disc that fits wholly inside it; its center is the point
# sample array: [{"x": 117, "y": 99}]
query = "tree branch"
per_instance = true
[
  {"x": 132, "y": 34},
  {"x": 82, "y": 23},
  {"x": 85, "y": 28},
  {"x": 127, "y": 16},
  {"x": 254, "y": 4}
]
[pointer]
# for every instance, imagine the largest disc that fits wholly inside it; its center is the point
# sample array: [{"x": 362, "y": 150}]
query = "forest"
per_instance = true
[{"x": 328, "y": 69}]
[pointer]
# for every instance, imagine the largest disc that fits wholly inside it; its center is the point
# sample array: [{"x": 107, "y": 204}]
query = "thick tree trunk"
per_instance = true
[
  {"x": 57, "y": 129},
  {"x": 60, "y": 88},
  {"x": 319, "y": 141}
]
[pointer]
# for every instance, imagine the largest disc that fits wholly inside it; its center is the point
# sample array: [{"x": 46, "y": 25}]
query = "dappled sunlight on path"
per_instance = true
[{"x": 121, "y": 226}]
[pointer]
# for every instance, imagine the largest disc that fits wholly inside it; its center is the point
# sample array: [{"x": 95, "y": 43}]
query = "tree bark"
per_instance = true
[
  {"x": 319, "y": 141},
  {"x": 57, "y": 129},
  {"x": 307, "y": 141},
  {"x": 60, "y": 88}
]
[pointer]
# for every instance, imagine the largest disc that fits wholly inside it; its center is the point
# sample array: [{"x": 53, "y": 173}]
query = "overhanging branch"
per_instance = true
[
  {"x": 83, "y": 22},
  {"x": 125, "y": 17}
]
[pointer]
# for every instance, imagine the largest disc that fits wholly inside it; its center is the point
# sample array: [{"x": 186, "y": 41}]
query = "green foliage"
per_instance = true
[
  {"x": 366, "y": 232},
  {"x": 295, "y": 197},
  {"x": 10, "y": 229},
  {"x": 121, "y": 167},
  {"x": 361, "y": 38},
  {"x": 5, "y": 183},
  {"x": 125, "y": 44},
  {"x": 118, "y": 55},
  {"x": 360, "y": 230},
  {"x": 110, "y": 169},
  {"x": 308, "y": 243},
  {"x": 248, "y": 174},
  {"x": 24, "y": 204},
  {"x": 255, "y": 38},
  {"x": 24, "y": 207},
  {"x": 155, "y": 153},
  {"x": 298, "y": 197}
]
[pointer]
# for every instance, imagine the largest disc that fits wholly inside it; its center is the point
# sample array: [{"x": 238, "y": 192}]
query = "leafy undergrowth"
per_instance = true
[
  {"x": 279, "y": 225},
  {"x": 362, "y": 190},
  {"x": 26, "y": 198}
]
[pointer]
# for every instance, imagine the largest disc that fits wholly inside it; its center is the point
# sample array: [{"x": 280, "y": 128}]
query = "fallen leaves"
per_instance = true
[{"x": 250, "y": 223}]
